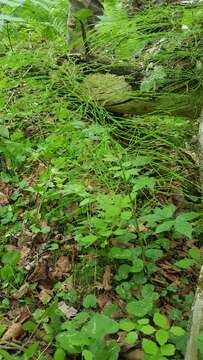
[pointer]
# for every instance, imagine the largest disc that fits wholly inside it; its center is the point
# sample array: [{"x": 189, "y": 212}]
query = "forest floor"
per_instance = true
[{"x": 100, "y": 220}]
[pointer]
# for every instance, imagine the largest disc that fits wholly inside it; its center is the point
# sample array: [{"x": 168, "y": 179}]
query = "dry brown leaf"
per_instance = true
[
  {"x": 3, "y": 199},
  {"x": 40, "y": 272},
  {"x": 62, "y": 267},
  {"x": 103, "y": 300},
  {"x": 25, "y": 238},
  {"x": 107, "y": 278},
  {"x": 24, "y": 255},
  {"x": 134, "y": 355},
  {"x": 22, "y": 291},
  {"x": 45, "y": 295},
  {"x": 68, "y": 311},
  {"x": 13, "y": 332}
]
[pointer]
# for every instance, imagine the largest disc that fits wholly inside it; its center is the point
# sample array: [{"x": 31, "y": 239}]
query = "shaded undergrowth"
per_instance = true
[{"x": 100, "y": 231}]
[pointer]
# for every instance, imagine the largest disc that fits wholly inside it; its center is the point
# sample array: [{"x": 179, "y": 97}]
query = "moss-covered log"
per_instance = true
[{"x": 117, "y": 96}]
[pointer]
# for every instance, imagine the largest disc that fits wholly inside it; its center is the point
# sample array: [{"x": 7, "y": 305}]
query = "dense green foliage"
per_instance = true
[{"x": 99, "y": 214}]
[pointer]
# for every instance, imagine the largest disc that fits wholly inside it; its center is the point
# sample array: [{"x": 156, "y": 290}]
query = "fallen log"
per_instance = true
[{"x": 117, "y": 96}]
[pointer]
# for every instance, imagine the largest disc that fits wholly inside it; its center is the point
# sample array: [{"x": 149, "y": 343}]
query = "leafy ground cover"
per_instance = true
[{"x": 100, "y": 214}]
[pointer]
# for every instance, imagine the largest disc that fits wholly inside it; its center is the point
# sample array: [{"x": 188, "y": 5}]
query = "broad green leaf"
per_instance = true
[
  {"x": 126, "y": 325},
  {"x": 183, "y": 228},
  {"x": 143, "y": 321},
  {"x": 177, "y": 331},
  {"x": 4, "y": 131},
  {"x": 168, "y": 350},
  {"x": 166, "y": 212},
  {"x": 147, "y": 329},
  {"x": 59, "y": 354},
  {"x": 88, "y": 240},
  {"x": 161, "y": 321},
  {"x": 11, "y": 258},
  {"x": 188, "y": 216},
  {"x": 139, "y": 308},
  {"x": 137, "y": 266},
  {"x": 99, "y": 326},
  {"x": 143, "y": 182},
  {"x": 195, "y": 254},
  {"x": 87, "y": 355},
  {"x": 30, "y": 351},
  {"x": 154, "y": 254},
  {"x": 162, "y": 336},
  {"x": 5, "y": 355},
  {"x": 123, "y": 271},
  {"x": 118, "y": 253},
  {"x": 166, "y": 226},
  {"x": 149, "y": 347},
  {"x": 2, "y": 329},
  {"x": 131, "y": 338},
  {"x": 185, "y": 263},
  {"x": 90, "y": 301}
]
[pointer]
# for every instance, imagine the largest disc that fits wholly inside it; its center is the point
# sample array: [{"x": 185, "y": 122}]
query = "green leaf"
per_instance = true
[
  {"x": 154, "y": 254},
  {"x": 147, "y": 329},
  {"x": 183, "y": 227},
  {"x": 99, "y": 326},
  {"x": 149, "y": 347},
  {"x": 82, "y": 15},
  {"x": 5, "y": 355},
  {"x": 2, "y": 329},
  {"x": 143, "y": 321},
  {"x": 11, "y": 258},
  {"x": 185, "y": 263},
  {"x": 31, "y": 350},
  {"x": 161, "y": 321},
  {"x": 87, "y": 355},
  {"x": 139, "y": 308},
  {"x": 168, "y": 350},
  {"x": 126, "y": 325},
  {"x": 123, "y": 271},
  {"x": 177, "y": 331},
  {"x": 137, "y": 266},
  {"x": 166, "y": 226},
  {"x": 195, "y": 254},
  {"x": 4, "y": 131},
  {"x": 29, "y": 326},
  {"x": 166, "y": 212},
  {"x": 131, "y": 338},
  {"x": 162, "y": 336},
  {"x": 59, "y": 354},
  {"x": 90, "y": 301},
  {"x": 88, "y": 240},
  {"x": 118, "y": 253},
  {"x": 143, "y": 182}
]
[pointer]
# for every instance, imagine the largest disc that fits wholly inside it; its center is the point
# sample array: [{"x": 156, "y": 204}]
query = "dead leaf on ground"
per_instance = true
[
  {"x": 103, "y": 300},
  {"x": 19, "y": 314},
  {"x": 134, "y": 355},
  {"x": 68, "y": 311},
  {"x": 3, "y": 199},
  {"x": 45, "y": 295},
  {"x": 13, "y": 332},
  {"x": 5, "y": 191},
  {"x": 62, "y": 267},
  {"x": 25, "y": 252},
  {"x": 107, "y": 278},
  {"x": 22, "y": 291},
  {"x": 40, "y": 272},
  {"x": 25, "y": 238}
]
